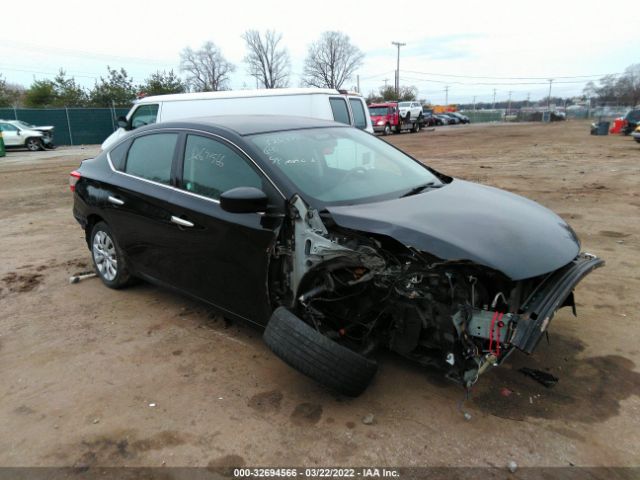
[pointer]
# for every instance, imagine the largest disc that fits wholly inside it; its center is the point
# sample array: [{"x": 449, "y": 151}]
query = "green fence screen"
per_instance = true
[{"x": 73, "y": 126}]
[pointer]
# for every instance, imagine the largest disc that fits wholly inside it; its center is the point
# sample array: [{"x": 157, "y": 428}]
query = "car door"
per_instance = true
[
  {"x": 137, "y": 202},
  {"x": 222, "y": 257},
  {"x": 10, "y": 135}
]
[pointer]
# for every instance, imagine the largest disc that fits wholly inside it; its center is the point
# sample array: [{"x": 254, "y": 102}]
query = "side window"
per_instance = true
[
  {"x": 7, "y": 127},
  {"x": 358, "y": 113},
  {"x": 144, "y": 115},
  {"x": 118, "y": 156},
  {"x": 211, "y": 168},
  {"x": 340, "y": 111},
  {"x": 150, "y": 157}
]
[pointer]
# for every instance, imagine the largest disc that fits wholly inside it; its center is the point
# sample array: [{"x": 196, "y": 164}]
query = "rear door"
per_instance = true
[
  {"x": 137, "y": 207},
  {"x": 222, "y": 257},
  {"x": 340, "y": 110},
  {"x": 359, "y": 111}
]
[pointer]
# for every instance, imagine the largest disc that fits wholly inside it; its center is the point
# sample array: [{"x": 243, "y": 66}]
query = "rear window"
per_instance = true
[
  {"x": 340, "y": 111},
  {"x": 151, "y": 156},
  {"x": 360, "y": 121}
]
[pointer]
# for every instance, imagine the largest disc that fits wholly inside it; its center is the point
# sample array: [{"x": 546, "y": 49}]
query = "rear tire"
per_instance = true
[
  {"x": 318, "y": 357},
  {"x": 108, "y": 260}
]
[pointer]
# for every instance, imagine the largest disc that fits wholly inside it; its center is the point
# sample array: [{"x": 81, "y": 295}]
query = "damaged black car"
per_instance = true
[{"x": 337, "y": 242}]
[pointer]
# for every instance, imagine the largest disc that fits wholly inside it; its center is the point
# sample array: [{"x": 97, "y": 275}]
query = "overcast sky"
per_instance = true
[{"x": 448, "y": 42}]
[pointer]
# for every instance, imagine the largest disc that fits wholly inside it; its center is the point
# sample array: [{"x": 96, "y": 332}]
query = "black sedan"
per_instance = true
[{"x": 337, "y": 242}]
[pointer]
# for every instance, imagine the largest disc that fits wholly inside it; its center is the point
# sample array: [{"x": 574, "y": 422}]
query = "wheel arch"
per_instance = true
[{"x": 92, "y": 220}]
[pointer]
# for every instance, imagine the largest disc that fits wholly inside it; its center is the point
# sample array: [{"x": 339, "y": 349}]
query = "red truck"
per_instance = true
[{"x": 386, "y": 118}]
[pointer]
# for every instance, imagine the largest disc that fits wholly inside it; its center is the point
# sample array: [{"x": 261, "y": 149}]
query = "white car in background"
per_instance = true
[
  {"x": 47, "y": 131},
  {"x": 21, "y": 136},
  {"x": 414, "y": 108}
]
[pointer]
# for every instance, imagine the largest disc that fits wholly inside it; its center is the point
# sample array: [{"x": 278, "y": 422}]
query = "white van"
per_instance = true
[{"x": 328, "y": 104}]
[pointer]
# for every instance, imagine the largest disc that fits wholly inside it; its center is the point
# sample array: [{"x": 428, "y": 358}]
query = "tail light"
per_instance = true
[{"x": 73, "y": 179}]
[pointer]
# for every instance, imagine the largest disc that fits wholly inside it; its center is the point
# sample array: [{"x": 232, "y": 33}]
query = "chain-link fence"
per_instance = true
[
  {"x": 480, "y": 116},
  {"x": 73, "y": 126}
]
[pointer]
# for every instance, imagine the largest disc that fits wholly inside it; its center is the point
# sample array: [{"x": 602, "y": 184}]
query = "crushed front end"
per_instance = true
[{"x": 367, "y": 291}]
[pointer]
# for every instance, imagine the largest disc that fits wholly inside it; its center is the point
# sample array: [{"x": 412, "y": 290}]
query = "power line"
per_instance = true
[
  {"x": 511, "y": 78},
  {"x": 95, "y": 77},
  {"x": 506, "y": 84},
  {"x": 80, "y": 53}
]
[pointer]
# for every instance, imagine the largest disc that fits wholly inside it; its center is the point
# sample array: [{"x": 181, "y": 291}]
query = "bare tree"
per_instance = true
[
  {"x": 267, "y": 63},
  {"x": 331, "y": 61},
  {"x": 207, "y": 70}
]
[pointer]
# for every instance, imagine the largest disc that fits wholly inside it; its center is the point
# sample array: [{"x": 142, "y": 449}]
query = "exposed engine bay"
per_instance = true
[{"x": 367, "y": 291}]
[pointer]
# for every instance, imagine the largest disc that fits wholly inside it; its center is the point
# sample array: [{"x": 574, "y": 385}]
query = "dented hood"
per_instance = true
[{"x": 467, "y": 221}]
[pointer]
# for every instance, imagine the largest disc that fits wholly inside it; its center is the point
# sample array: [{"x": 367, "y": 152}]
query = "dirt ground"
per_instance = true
[{"x": 144, "y": 377}]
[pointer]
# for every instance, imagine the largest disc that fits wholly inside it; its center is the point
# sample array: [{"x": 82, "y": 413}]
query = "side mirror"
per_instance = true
[
  {"x": 123, "y": 123},
  {"x": 18, "y": 132},
  {"x": 244, "y": 200}
]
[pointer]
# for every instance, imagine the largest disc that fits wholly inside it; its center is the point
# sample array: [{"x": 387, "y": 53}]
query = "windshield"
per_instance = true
[
  {"x": 23, "y": 124},
  {"x": 633, "y": 115},
  {"x": 404, "y": 104},
  {"x": 378, "y": 110},
  {"x": 342, "y": 165}
]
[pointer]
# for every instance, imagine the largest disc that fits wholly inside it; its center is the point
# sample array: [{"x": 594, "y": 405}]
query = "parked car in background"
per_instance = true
[
  {"x": 336, "y": 241},
  {"x": 447, "y": 120},
  {"x": 47, "y": 131},
  {"x": 386, "y": 118},
  {"x": 328, "y": 104},
  {"x": 636, "y": 134},
  {"x": 17, "y": 136},
  {"x": 461, "y": 117},
  {"x": 437, "y": 120},
  {"x": 631, "y": 121}
]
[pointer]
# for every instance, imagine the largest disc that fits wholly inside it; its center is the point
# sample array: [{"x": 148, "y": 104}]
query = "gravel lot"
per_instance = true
[{"x": 144, "y": 377}]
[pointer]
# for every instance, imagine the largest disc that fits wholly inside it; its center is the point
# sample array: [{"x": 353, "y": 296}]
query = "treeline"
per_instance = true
[
  {"x": 331, "y": 61},
  {"x": 116, "y": 89},
  {"x": 621, "y": 90}
]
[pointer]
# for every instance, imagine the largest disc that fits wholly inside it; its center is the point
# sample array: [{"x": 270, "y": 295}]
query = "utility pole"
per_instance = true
[
  {"x": 398, "y": 44},
  {"x": 528, "y": 97},
  {"x": 446, "y": 96},
  {"x": 509, "y": 107},
  {"x": 549, "y": 97},
  {"x": 385, "y": 83},
  {"x": 494, "y": 99},
  {"x": 474, "y": 103},
  {"x": 358, "y": 82}
]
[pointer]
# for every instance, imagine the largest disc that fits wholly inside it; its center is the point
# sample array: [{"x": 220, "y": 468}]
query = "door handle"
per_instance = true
[
  {"x": 181, "y": 221},
  {"x": 115, "y": 201}
]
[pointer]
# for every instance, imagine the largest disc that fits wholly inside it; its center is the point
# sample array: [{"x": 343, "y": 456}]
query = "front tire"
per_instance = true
[
  {"x": 108, "y": 261},
  {"x": 387, "y": 130},
  {"x": 317, "y": 356},
  {"x": 34, "y": 144}
]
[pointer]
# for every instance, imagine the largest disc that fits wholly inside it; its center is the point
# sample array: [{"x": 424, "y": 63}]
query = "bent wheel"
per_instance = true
[{"x": 308, "y": 351}]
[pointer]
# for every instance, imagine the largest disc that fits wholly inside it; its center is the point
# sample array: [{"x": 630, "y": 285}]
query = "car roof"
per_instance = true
[{"x": 252, "y": 124}]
